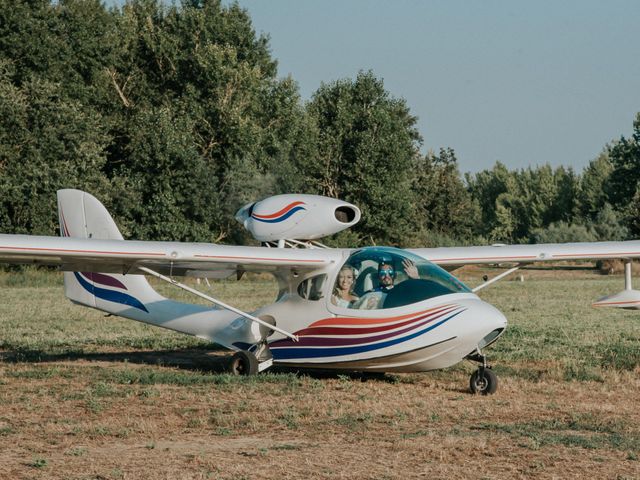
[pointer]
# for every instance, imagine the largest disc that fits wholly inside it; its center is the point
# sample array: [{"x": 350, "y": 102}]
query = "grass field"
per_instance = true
[{"x": 84, "y": 396}]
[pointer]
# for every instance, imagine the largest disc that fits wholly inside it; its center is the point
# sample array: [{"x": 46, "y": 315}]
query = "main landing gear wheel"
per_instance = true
[
  {"x": 243, "y": 363},
  {"x": 483, "y": 381}
]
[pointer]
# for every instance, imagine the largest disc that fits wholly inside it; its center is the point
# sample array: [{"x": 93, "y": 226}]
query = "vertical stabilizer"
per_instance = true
[
  {"x": 83, "y": 216},
  {"x": 131, "y": 296}
]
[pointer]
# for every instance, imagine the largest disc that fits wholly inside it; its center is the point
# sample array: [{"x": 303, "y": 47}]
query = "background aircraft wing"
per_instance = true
[
  {"x": 170, "y": 258},
  {"x": 544, "y": 252}
]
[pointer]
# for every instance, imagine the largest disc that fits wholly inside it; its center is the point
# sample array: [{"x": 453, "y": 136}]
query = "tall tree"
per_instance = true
[
  {"x": 592, "y": 195},
  {"x": 486, "y": 188},
  {"x": 367, "y": 144},
  {"x": 623, "y": 184},
  {"x": 445, "y": 206},
  {"x": 204, "y": 66},
  {"x": 517, "y": 203},
  {"x": 47, "y": 142}
]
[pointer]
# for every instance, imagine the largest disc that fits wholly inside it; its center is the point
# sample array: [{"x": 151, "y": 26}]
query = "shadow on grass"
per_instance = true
[{"x": 210, "y": 360}]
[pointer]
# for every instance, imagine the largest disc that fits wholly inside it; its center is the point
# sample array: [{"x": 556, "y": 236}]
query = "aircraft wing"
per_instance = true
[
  {"x": 544, "y": 252},
  {"x": 170, "y": 258}
]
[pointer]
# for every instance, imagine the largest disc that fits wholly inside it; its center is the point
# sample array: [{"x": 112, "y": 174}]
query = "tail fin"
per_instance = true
[
  {"x": 83, "y": 216},
  {"x": 131, "y": 296}
]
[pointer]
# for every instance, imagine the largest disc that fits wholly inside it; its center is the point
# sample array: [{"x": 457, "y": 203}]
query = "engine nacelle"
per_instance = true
[{"x": 297, "y": 217}]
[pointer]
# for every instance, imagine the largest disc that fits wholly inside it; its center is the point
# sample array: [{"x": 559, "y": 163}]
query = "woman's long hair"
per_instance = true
[{"x": 336, "y": 290}]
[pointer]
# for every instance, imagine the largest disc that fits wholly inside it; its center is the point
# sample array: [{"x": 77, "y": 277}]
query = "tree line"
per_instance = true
[{"x": 174, "y": 117}]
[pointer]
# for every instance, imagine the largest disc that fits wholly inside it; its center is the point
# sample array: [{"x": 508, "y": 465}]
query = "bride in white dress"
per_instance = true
[{"x": 342, "y": 295}]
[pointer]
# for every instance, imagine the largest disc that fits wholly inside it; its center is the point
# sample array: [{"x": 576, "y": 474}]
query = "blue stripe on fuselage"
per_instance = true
[{"x": 110, "y": 295}]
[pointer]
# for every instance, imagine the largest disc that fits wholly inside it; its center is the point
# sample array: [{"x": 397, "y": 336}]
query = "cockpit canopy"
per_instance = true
[{"x": 381, "y": 277}]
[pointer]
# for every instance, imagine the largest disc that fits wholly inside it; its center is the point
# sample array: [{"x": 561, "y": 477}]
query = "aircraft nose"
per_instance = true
[{"x": 494, "y": 324}]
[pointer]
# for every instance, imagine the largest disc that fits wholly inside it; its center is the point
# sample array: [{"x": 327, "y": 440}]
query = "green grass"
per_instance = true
[
  {"x": 38, "y": 462},
  {"x": 553, "y": 330},
  {"x": 111, "y": 383},
  {"x": 36, "y": 319}
]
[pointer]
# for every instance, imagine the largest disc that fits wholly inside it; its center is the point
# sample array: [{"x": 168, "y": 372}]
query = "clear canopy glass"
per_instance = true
[{"x": 382, "y": 277}]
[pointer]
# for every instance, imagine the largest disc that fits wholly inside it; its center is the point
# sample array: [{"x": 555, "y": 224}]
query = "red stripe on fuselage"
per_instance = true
[
  {"x": 341, "y": 321},
  {"x": 364, "y": 330}
]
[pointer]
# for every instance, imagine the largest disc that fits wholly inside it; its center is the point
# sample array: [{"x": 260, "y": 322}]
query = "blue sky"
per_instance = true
[{"x": 526, "y": 83}]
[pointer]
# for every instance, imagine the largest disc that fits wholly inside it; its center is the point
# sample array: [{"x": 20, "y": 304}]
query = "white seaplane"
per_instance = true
[{"x": 373, "y": 309}]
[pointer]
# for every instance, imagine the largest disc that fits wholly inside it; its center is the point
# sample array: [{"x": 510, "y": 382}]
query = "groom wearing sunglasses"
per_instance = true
[{"x": 387, "y": 274}]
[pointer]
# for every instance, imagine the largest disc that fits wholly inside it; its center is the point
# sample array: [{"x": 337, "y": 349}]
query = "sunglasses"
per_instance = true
[{"x": 387, "y": 272}]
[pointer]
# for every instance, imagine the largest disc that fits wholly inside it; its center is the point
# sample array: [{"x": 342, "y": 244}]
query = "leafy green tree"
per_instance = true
[
  {"x": 174, "y": 92},
  {"x": 445, "y": 207},
  {"x": 366, "y": 148},
  {"x": 564, "y": 204},
  {"x": 624, "y": 179},
  {"x": 174, "y": 115},
  {"x": 46, "y": 143},
  {"x": 592, "y": 194},
  {"x": 516, "y": 203},
  {"x": 66, "y": 42},
  {"x": 609, "y": 225},
  {"x": 204, "y": 65},
  {"x": 485, "y": 187},
  {"x": 563, "y": 232},
  {"x": 172, "y": 189},
  {"x": 631, "y": 215}
]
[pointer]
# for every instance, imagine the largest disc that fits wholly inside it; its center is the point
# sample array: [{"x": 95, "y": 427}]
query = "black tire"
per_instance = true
[
  {"x": 483, "y": 381},
  {"x": 243, "y": 363}
]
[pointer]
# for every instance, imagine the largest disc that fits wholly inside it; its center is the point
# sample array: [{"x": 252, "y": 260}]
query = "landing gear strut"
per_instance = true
[{"x": 483, "y": 381}]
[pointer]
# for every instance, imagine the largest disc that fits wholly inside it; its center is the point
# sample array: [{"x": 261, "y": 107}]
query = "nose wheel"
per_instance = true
[{"x": 484, "y": 380}]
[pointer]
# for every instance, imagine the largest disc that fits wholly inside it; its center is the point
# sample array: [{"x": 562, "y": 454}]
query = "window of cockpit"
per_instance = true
[
  {"x": 312, "y": 288},
  {"x": 390, "y": 277}
]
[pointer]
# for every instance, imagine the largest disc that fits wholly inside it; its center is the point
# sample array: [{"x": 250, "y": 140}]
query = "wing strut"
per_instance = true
[
  {"x": 496, "y": 278},
  {"x": 217, "y": 302}
]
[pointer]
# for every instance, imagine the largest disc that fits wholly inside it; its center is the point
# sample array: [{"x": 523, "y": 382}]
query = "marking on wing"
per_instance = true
[
  {"x": 593, "y": 255},
  {"x": 516, "y": 257},
  {"x": 70, "y": 250},
  {"x": 602, "y": 304},
  {"x": 230, "y": 257}
]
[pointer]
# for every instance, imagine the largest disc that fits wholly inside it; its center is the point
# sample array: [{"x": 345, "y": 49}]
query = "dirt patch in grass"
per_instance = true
[{"x": 97, "y": 419}]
